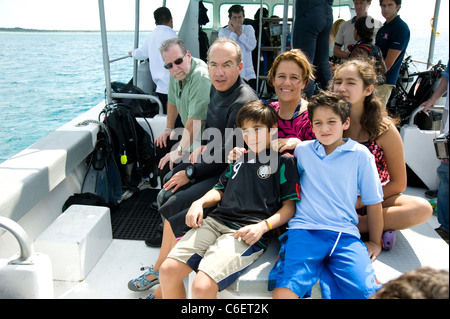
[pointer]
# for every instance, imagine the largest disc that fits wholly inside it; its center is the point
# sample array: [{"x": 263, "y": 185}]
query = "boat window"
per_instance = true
[
  {"x": 342, "y": 12},
  {"x": 278, "y": 10},
  {"x": 250, "y": 11}
]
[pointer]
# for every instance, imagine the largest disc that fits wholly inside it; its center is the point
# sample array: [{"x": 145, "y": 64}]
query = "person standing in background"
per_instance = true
[
  {"x": 244, "y": 35},
  {"x": 442, "y": 195},
  {"x": 392, "y": 39},
  {"x": 345, "y": 36},
  {"x": 334, "y": 30},
  {"x": 313, "y": 22},
  {"x": 150, "y": 50}
]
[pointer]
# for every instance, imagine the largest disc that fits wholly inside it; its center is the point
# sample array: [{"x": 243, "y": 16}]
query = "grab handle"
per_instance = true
[
  {"x": 419, "y": 109},
  {"x": 19, "y": 233}
]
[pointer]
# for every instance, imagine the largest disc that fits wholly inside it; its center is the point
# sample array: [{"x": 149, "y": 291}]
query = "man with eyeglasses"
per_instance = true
[
  {"x": 244, "y": 35},
  {"x": 188, "y": 98}
]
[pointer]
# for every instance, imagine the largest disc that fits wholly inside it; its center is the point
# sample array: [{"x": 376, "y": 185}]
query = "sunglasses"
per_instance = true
[{"x": 169, "y": 65}]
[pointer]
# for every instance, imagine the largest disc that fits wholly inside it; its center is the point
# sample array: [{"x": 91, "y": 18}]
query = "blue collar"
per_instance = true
[{"x": 349, "y": 146}]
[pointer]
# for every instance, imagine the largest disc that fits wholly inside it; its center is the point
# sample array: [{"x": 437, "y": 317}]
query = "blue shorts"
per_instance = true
[{"x": 340, "y": 260}]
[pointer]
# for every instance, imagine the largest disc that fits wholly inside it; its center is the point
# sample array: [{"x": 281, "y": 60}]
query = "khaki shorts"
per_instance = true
[{"x": 213, "y": 249}]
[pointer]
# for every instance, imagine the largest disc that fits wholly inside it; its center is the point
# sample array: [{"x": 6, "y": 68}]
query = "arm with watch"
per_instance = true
[{"x": 181, "y": 178}]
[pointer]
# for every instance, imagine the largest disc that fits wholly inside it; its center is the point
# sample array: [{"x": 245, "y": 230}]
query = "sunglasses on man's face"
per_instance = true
[{"x": 169, "y": 65}]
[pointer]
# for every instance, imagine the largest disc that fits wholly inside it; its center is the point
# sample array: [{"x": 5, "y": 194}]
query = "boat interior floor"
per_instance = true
[{"x": 415, "y": 247}]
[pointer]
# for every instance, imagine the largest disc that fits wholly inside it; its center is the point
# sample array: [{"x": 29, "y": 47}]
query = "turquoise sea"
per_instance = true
[{"x": 49, "y": 78}]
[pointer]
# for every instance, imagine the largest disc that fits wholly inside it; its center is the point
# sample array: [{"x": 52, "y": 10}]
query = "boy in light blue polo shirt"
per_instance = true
[{"x": 323, "y": 239}]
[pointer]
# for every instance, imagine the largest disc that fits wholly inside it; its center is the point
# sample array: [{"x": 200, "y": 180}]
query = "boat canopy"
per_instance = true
[{"x": 283, "y": 8}]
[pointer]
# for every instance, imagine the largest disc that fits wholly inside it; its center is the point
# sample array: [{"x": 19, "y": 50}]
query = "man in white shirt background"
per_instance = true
[
  {"x": 244, "y": 35},
  {"x": 150, "y": 50},
  {"x": 345, "y": 35}
]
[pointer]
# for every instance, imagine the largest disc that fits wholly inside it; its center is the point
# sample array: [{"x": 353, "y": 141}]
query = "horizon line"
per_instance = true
[{"x": 19, "y": 29}]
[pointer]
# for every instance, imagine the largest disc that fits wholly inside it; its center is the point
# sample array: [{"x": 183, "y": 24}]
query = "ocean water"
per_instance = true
[{"x": 47, "y": 79}]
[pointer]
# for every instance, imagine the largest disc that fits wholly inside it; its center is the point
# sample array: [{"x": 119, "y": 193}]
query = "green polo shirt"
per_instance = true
[{"x": 192, "y": 97}]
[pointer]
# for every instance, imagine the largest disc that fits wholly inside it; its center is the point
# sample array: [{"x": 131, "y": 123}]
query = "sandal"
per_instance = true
[
  {"x": 144, "y": 283},
  {"x": 151, "y": 296}
]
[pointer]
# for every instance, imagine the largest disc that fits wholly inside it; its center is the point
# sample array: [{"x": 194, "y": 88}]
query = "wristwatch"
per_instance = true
[{"x": 190, "y": 172}]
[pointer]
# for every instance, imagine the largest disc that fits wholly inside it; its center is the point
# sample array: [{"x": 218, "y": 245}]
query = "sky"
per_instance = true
[
  {"x": 72, "y": 14},
  {"x": 83, "y": 14}
]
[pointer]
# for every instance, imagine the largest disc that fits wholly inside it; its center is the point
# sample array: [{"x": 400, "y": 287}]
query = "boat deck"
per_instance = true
[{"x": 415, "y": 247}]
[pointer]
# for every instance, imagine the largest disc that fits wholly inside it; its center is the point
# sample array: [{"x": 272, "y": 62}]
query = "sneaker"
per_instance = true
[
  {"x": 388, "y": 239},
  {"x": 432, "y": 193},
  {"x": 154, "y": 241}
]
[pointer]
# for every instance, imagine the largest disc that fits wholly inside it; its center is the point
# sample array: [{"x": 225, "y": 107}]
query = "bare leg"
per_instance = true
[
  {"x": 171, "y": 275},
  {"x": 284, "y": 293},
  {"x": 401, "y": 212},
  {"x": 204, "y": 287},
  {"x": 168, "y": 242}
]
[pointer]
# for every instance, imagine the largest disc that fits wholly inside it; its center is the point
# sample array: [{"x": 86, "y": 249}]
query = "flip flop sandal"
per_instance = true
[{"x": 144, "y": 283}]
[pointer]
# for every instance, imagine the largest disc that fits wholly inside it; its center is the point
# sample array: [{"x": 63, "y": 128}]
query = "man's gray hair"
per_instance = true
[
  {"x": 166, "y": 45},
  {"x": 227, "y": 40}
]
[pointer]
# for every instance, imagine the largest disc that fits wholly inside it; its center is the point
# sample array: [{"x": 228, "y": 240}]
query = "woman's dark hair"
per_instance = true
[
  {"x": 375, "y": 119},
  {"x": 365, "y": 27}
]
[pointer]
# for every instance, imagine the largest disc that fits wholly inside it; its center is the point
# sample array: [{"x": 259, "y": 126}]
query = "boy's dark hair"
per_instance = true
[
  {"x": 397, "y": 2},
  {"x": 330, "y": 100},
  {"x": 236, "y": 9},
  {"x": 364, "y": 31},
  {"x": 422, "y": 283},
  {"x": 257, "y": 111},
  {"x": 162, "y": 15}
]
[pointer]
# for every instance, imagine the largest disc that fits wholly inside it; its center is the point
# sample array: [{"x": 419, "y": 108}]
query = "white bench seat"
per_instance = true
[
  {"x": 76, "y": 240},
  {"x": 415, "y": 247}
]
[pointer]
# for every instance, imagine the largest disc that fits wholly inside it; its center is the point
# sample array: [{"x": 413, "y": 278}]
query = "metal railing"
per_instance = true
[
  {"x": 284, "y": 34},
  {"x": 22, "y": 238},
  {"x": 110, "y": 95}
]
